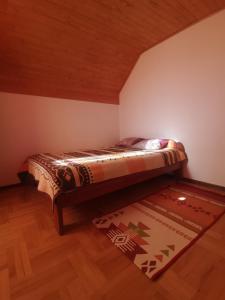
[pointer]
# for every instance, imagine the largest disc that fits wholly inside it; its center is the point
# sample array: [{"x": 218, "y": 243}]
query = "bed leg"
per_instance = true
[
  {"x": 58, "y": 218},
  {"x": 178, "y": 174}
]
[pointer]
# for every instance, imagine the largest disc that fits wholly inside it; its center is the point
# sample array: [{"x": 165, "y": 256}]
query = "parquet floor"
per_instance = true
[{"x": 36, "y": 263}]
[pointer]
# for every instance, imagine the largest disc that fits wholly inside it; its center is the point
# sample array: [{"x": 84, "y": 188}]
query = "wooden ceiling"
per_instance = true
[{"x": 85, "y": 49}]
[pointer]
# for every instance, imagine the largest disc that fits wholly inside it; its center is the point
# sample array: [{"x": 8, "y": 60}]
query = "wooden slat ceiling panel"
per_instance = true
[{"x": 85, "y": 49}]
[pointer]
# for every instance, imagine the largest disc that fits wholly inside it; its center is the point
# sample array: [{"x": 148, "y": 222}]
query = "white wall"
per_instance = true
[
  {"x": 177, "y": 90},
  {"x": 30, "y": 124}
]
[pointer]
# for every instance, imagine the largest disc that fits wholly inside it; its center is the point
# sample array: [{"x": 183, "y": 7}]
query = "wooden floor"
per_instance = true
[{"x": 36, "y": 263}]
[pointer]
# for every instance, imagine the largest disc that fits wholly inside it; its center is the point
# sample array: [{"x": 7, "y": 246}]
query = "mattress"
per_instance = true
[{"x": 67, "y": 172}]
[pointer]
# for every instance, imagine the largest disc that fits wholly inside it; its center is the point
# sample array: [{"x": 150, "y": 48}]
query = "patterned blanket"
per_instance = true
[{"x": 59, "y": 173}]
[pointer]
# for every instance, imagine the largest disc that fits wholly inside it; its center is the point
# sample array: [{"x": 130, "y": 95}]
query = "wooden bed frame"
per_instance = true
[{"x": 98, "y": 189}]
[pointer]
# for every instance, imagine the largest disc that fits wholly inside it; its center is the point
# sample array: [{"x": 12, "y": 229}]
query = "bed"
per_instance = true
[{"x": 74, "y": 177}]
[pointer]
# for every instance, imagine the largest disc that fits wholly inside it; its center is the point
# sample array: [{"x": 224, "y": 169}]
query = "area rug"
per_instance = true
[{"x": 155, "y": 231}]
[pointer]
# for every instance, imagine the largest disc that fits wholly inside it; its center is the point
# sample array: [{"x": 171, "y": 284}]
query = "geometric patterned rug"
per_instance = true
[{"x": 155, "y": 231}]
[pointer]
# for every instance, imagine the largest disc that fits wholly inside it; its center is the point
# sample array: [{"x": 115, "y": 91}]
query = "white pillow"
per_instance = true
[{"x": 148, "y": 145}]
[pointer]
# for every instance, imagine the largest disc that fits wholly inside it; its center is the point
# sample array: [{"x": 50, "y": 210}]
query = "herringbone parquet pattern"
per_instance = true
[{"x": 36, "y": 263}]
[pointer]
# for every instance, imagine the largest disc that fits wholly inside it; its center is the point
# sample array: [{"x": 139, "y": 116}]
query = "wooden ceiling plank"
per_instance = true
[{"x": 86, "y": 48}]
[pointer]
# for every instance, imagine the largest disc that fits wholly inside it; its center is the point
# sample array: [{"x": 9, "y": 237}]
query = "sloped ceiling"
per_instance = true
[{"x": 85, "y": 49}]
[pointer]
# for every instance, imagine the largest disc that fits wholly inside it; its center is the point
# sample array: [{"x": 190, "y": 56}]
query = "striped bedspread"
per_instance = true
[{"x": 59, "y": 173}]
